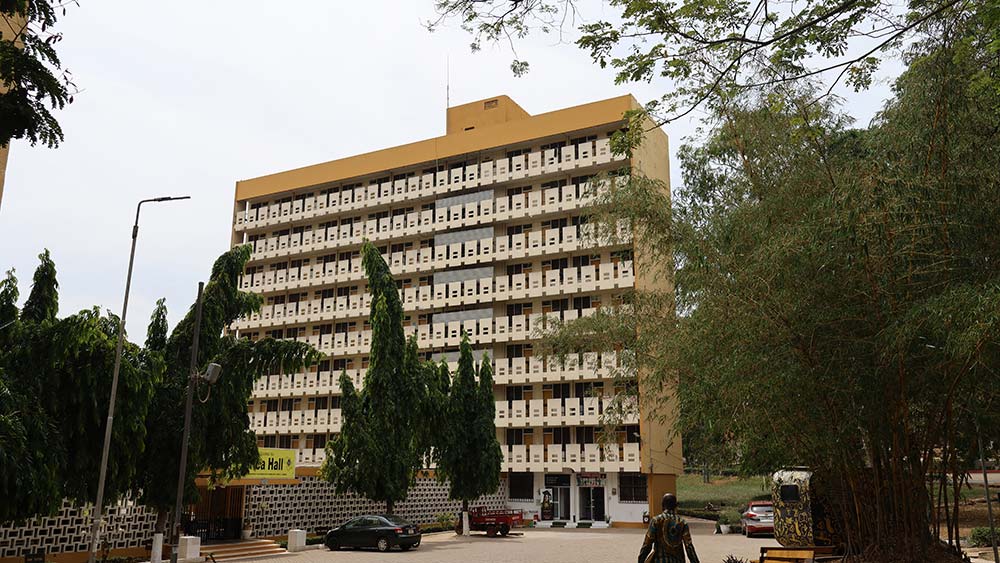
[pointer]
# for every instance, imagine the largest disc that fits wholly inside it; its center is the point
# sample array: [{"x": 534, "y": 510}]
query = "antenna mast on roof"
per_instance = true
[{"x": 447, "y": 83}]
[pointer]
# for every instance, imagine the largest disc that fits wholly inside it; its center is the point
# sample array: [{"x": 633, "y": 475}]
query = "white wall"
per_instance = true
[
  {"x": 622, "y": 511},
  {"x": 532, "y": 508}
]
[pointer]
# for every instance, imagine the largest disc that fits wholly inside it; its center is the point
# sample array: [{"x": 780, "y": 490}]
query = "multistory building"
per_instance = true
[{"x": 485, "y": 231}]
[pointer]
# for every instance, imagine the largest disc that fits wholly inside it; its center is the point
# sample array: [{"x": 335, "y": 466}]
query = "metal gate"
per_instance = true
[{"x": 218, "y": 515}]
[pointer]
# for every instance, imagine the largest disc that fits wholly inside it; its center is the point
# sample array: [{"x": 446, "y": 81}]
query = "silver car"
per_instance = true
[{"x": 758, "y": 518}]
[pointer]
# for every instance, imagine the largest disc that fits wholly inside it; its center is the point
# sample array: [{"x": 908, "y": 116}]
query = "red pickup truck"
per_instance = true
[{"x": 491, "y": 521}]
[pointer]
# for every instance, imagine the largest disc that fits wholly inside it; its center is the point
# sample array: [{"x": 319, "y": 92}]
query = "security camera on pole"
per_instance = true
[{"x": 211, "y": 375}]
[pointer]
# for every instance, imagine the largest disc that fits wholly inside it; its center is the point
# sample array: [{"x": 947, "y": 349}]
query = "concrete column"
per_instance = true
[
  {"x": 658, "y": 484},
  {"x": 296, "y": 540},
  {"x": 189, "y": 548},
  {"x": 156, "y": 555},
  {"x": 9, "y": 25},
  {"x": 4, "y": 152},
  {"x": 574, "y": 497}
]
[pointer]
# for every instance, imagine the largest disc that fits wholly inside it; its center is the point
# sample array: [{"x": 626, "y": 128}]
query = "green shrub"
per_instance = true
[
  {"x": 445, "y": 520},
  {"x": 314, "y": 540},
  {"x": 729, "y": 518},
  {"x": 698, "y": 513},
  {"x": 980, "y": 537}
]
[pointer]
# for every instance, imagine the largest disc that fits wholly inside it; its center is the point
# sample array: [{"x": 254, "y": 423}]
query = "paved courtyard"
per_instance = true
[{"x": 542, "y": 546}]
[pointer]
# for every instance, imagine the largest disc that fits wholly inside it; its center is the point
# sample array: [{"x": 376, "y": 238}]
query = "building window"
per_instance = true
[
  {"x": 285, "y": 442},
  {"x": 633, "y": 487},
  {"x": 270, "y": 441},
  {"x": 519, "y": 393},
  {"x": 521, "y": 486},
  {"x": 585, "y": 435},
  {"x": 631, "y": 432},
  {"x": 319, "y": 441},
  {"x": 515, "y": 436}
]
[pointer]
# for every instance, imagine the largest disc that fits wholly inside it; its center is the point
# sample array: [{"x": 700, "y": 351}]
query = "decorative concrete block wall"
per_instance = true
[
  {"x": 308, "y": 506},
  {"x": 128, "y": 525},
  {"x": 272, "y": 510}
]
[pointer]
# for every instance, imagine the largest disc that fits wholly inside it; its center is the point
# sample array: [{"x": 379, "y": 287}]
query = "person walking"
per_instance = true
[{"x": 668, "y": 536}]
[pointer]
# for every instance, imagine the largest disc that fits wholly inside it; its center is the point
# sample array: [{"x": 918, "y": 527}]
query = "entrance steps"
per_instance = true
[{"x": 244, "y": 549}]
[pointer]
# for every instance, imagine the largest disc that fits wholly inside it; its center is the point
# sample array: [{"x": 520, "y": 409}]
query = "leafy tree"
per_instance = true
[
  {"x": 29, "y": 465},
  {"x": 43, "y": 301},
  {"x": 156, "y": 333},
  {"x": 8, "y": 300},
  {"x": 56, "y": 384},
  {"x": 31, "y": 76},
  {"x": 433, "y": 418},
  {"x": 444, "y": 378},
  {"x": 379, "y": 448},
  {"x": 710, "y": 49},
  {"x": 221, "y": 441},
  {"x": 470, "y": 455},
  {"x": 836, "y": 290},
  {"x": 490, "y": 455}
]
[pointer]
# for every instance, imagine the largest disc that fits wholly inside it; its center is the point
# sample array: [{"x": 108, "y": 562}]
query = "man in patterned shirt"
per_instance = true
[{"x": 668, "y": 536}]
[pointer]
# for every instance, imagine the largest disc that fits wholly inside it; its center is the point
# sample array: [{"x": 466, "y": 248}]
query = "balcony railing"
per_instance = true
[
  {"x": 296, "y": 421},
  {"x": 508, "y": 371},
  {"x": 573, "y": 411},
  {"x": 297, "y": 384},
  {"x": 615, "y": 275},
  {"x": 441, "y": 335},
  {"x": 566, "y": 239},
  {"x": 575, "y": 457},
  {"x": 486, "y": 173}
]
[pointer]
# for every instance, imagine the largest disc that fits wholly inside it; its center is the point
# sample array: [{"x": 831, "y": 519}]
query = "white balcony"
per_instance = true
[
  {"x": 297, "y": 421},
  {"x": 575, "y": 457},
  {"x": 574, "y": 411}
]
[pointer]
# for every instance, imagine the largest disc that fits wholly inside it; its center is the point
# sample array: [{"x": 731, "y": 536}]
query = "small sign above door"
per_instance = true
[
  {"x": 591, "y": 479},
  {"x": 557, "y": 480}
]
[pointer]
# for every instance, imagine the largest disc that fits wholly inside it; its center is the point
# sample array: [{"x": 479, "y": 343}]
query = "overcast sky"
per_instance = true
[{"x": 186, "y": 98}]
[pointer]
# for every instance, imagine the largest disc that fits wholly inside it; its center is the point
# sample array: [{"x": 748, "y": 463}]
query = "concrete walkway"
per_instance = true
[{"x": 543, "y": 546}]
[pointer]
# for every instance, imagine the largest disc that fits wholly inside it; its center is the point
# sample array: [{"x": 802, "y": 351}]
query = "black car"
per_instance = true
[{"x": 380, "y": 532}]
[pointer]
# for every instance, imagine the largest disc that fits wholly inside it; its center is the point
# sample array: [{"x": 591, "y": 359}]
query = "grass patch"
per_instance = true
[{"x": 724, "y": 493}]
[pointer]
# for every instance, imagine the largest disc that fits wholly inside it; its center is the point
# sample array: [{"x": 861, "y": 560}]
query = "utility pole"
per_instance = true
[{"x": 192, "y": 381}]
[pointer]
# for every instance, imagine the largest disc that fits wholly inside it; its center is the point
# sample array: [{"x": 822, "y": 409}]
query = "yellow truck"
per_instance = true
[{"x": 801, "y": 510}]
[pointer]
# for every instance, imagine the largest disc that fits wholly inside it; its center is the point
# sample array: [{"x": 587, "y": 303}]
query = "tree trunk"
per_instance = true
[
  {"x": 161, "y": 521},
  {"x": 389, "y": 506},
  {"x": 465, "y": 518}
]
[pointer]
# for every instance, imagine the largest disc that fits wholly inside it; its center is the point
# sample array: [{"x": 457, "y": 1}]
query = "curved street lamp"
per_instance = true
[{"x": 98, "y": 515}]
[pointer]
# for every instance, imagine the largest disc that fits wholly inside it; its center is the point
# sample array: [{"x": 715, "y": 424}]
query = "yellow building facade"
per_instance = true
[{"x": 485, "y": 230}]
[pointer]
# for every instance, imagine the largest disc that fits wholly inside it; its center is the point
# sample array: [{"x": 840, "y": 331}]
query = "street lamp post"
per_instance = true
[{"x": 98, "y": 515}]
